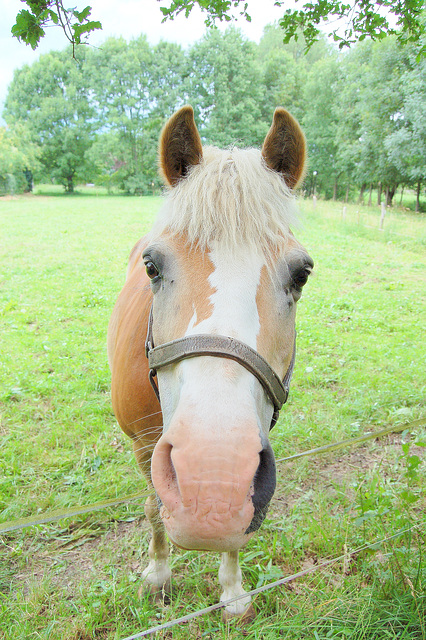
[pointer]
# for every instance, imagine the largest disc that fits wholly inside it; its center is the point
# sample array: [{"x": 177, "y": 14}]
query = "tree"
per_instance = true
[
  {"x": 357, "y": 156},
  {"x": 381, "y": 102},
  {"x": 51, "y": 97},
  {"x": 18, "y": 160},
  {"x": 368, "y": 110},
  {"x": 285, "y": 70},
  {"x": 406, "y": 146},
  {"x": 100, "y": 114},
  {"x": 319, "y": 123},
  {"x": 134, "y": 89},
  {"x": 119, "y": 76},
  {"x": 364, "y": 18},
  {"x": 225, "y": 88},
  {"x": 283, "y": 75},
  {"x": 107, "y": 158}
]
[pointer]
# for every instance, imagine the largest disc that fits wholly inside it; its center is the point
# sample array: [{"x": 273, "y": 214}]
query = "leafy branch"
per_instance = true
[
  {"x": 31, "y": 23},
  {"x": 363, "y": 18},
  {"x": 215, "y": 9}
]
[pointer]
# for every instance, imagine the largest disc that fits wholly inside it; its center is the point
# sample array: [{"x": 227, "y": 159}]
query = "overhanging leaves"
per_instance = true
[
  {"x": 345, "y": 23},
  {"x": 29, "y": 26}
]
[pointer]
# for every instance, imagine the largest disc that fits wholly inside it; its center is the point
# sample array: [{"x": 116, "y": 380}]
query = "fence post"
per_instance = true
[
  {"x": 382, "y": 217},
  {"x": 344, "y": 213}
]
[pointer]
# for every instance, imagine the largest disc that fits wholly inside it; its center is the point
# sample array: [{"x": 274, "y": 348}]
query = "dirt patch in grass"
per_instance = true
[
  {"x": 70, "y": 558},
  {"x": 336, "y": 471}
]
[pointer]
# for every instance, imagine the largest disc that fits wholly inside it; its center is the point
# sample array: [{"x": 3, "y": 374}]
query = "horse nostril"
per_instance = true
[
  {"x": 264, "y": 487},
  {"x": 163, "y": 473},
  {"x": 169, "y": 470}
]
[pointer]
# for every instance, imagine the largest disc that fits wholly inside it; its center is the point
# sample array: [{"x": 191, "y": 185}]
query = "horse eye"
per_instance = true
[
  {"x": 300, "y": 278},
  {"x": 151, "y": 270}
]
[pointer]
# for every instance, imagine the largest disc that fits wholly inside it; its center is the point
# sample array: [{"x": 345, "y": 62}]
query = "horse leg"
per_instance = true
[
  {"x": 157, "y": 574},
  {"x": 230, "y": 578}
]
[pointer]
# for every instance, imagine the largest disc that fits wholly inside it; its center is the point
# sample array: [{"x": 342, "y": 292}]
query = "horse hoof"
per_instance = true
[
  {"x": 242, "y": 619},
  {"x": 159, "y": 594}
]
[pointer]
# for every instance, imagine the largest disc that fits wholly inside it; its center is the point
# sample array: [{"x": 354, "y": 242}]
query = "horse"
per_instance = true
[{"x": 201, "y": 342}]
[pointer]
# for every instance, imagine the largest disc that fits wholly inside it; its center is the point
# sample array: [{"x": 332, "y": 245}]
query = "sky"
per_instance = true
[{"x": 127, "y": 18}]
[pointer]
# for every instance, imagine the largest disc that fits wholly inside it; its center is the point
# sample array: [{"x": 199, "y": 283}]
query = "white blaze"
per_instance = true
[{"x": 235, "y": 280}]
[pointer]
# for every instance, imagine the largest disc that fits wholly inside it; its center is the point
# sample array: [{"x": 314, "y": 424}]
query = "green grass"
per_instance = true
[{"x": 360, "y": 366}]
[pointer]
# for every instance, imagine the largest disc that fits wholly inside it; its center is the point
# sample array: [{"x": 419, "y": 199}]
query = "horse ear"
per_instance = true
[
  {"x": 180, "y": 146},
  {"x": 284, "y": 149}
]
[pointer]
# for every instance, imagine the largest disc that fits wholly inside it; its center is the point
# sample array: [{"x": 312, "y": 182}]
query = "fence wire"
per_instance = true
[
  {"x": 328, "y": 448},
  {"x": 268, "y": 586},
  {"x": 61, "y": 514}
]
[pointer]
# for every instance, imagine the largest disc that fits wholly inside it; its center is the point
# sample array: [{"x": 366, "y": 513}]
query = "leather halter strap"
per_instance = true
[{"x": 219, "y": 347}]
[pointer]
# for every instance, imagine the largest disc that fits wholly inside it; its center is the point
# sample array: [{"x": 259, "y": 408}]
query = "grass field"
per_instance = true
[{"x": 360, "y": 367}]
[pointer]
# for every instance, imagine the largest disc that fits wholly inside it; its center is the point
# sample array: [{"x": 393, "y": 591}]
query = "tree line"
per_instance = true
[{"x": 96, "y": 118}]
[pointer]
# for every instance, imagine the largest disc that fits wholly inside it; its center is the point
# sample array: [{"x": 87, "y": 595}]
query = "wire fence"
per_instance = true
[
  {"x": 270, "y": 585},
  {"x": 74, "y": 511},
  {"x": 392, "y": 220},
  {"x": 329, "y": 448},
  {"x": 61, "y": 514}
]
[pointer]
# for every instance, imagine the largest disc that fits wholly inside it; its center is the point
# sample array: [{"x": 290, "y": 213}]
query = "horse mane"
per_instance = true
[{"x": 231, "y": 197}]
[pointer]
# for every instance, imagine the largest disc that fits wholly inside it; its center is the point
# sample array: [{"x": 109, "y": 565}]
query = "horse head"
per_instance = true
[{"x": 225, "y": 274}]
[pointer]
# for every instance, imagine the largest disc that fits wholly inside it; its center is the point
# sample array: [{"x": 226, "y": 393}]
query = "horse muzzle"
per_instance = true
[{"x": 214, "y": 495}]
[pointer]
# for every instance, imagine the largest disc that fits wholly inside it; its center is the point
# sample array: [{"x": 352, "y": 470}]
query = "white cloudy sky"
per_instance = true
[{"x": 127, "y": 18}]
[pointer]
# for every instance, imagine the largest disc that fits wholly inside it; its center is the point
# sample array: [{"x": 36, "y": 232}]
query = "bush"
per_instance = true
[
  {"x": 12, "y": 183},
  {"x": 140, "y": 185}
]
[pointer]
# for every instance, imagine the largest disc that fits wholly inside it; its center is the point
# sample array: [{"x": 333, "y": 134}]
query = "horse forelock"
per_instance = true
[{"x": 233, "y": 198}]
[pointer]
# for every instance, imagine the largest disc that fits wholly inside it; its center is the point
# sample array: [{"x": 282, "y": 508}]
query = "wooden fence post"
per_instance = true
[{"x": 382, "y": 217}]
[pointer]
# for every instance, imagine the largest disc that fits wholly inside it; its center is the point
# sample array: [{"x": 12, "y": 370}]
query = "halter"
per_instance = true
[{"x": 219, "y": 347}]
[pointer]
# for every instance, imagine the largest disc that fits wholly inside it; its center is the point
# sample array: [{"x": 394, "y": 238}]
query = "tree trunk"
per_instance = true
[
  {"x": 418, "y": 196},
  {"x": 29, "y": 178},
  {"x": 336, "y": 184},
  {"x": 379, "y": 193},
  {"x": 370, "y": 194},
  {"x": 70, "y": 184},
  {"x": 390, "y": 192},
  {"x": 361, "y": 193},
  {"x": 402, "y": 193}
]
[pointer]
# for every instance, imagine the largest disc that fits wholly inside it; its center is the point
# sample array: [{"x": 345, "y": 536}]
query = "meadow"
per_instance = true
[{"x": 360, "y": 368}]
